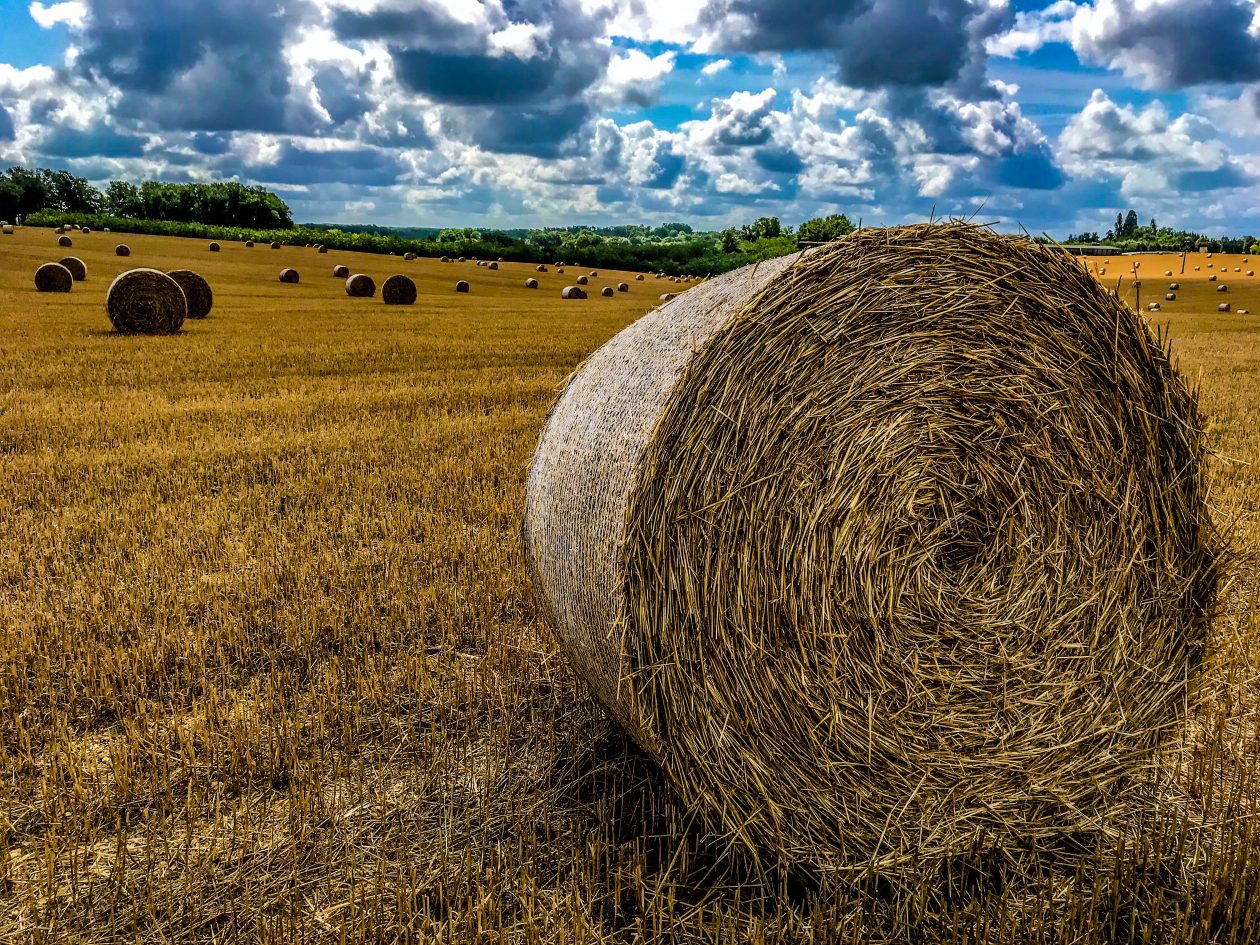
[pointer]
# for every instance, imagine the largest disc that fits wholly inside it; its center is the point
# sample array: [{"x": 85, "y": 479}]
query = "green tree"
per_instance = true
[
  {"x": 1130, "y": 223},
  {"x": 825, "y": 229}
]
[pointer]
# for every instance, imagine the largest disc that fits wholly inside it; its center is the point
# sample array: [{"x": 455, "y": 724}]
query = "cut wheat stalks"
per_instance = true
[
  {"x": 146, "y": 302},
  {"x": 197, "y": 292},
  {"x": 398, "y": 290},
  {"x": 77, "y": 268},
  {"x": 885, "y": 548},
  {"x": 53, "y": 277}
]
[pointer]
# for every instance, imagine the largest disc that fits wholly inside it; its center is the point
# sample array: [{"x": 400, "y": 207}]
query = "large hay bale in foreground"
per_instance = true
[
  {"x": 146, "y": 302},
  {"x": 197, "y": 292},
  {"x": 78, "y": 269},
  {"x": 883, "y": 551},
  {"x": 53, "y": 277},
  {"x": 360, "y": 286},
  {"x": 398, "y": 290}
]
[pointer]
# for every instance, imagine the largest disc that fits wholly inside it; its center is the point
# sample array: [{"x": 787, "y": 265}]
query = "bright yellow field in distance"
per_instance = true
[{"x": 269, "y": 665}]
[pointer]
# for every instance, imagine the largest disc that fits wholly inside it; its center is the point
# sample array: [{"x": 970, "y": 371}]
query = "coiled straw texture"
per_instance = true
[
  {"x": 146, "y": 302},
  {"x": 196, "y": 290},
  {"x": 883, "y": 549}
]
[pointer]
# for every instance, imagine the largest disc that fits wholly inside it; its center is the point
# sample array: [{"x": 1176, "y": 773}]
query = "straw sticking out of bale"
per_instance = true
[
  {"x": 360, "y": 286},
  {"x": 398, "y": 290},
  {"x": 76, "y": 266},
  {"x": 289, "y": 276},
  {"x": 214, "y": 247},
  {"x": 461, "y": 286},
  {"x": 197, "y": 292},
  {"x": 122, "y": 249},
  {"x": 341, "y": 272},
  {"x": 65, "y": 242},
  {"x": 53, "y": 277},
  {"x": 146, "y": 302},
  {"x": 849, "y": 645},
  {"x": 572, "y": 292},
  {"x": 531, "y": 283}
]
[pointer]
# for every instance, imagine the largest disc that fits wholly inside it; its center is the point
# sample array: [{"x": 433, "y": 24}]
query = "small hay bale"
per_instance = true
[
  {"x": 667, "y": 297},
  {"x": 560, "y": 269},
  {"x": 1243, "y": 311},
  {"x": 1153, "y": 307},
  {"x": 1251, "y": 272},
  {"x": 7, "y": 230},
  {"x": 572, "y": 292},
  {"x": 289, "y": 276},
  {"x": 639, "y": 277},
  {"x": 146, "y": 302},
  {"x": 1237, "y": 269},
  {"x": 606, "y": 291},
  {"x": 214, "y": 247},
  {"x": 341, "y": 272},
  {"x": 76, "y": 267},
  {"x": 409, "y": 257},
  {"x": 461, "y": 259},
  {"x": 105, "y": 230},
  {"x": 1170, "y": 297},
  {"x": 84, "y": 230},
  {"x": 1223, "y": 307},
  {"x": 581, "y": 280},
  {"x": 360, "y": 286},
  {"x": 540, "y": 268},
  {"x": 461, "y": 286},
  {"x": 500, "y": 259},
  {"x": 1196, "y": 268},
  {"x": 197, "y": 292},
  {"x": 838, "y": 638},
  {"x": 53, "y": 277},
  {"x": 398, "y": 290},
  {"x": 493, "y": 265},
  {"x": 65, "y": 242},
  {"x": 122, "y": 249},
  {"x": 249, "y": 244},
  {"x": 1174, "y": 286},
  {"x": 446, "y": 259},
  {"x": 1222, "y": 287},
  {"x": 322, "y": 249},
  {"x": 1212, "y": 277},
  {"x": 1167, "y": 272},
  {"x": 275, "y": 245},
  {"x": 531, "y": 283},
  {"x": 623, "y": 287}
]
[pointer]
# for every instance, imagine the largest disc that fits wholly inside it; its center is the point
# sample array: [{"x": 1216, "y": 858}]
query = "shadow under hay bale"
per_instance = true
[
  {"x": 906, "y": 653},
  {"x": 77, "y": 268},
  {"x": 122, "y": 249},
  {"x": 572, "y": 292},
  {"x": 398, "y": 290},
  {"x": 197, "y": 292},
  {"x": 53, "y": 277},
  {"x": 341, "y": 272},
  {"x": 360, "y": 286},
  {"x": 289, "y": 276},
  {"x": 146, "y": 302}
]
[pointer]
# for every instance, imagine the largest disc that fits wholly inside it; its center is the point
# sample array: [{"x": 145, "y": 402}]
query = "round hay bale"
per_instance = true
[
  {"x": 77, "y": 269},
  {"x": 594, "y": 274},
  {"x": 1174, "y": 286},
  {"x": 341, "y": 272},
  {"x": 1223, "y": 307},
  {"x": 1153, "y": 307},
  {"x": 667, "y": 297},
  {"x": 493, "y": 265},
  {"x": 53, "y": 277},
  {"x": 105, "y": 230},
  {"x": 560, "y": 269},
  {"x": 84, "y": 230},
  {"x": 1222, "y": 287},
  {"x": 322, "y": 249},
  {"x": 1237, "y": 269},
  {"x": 851, "y": 646},
  {"x": 197, "y": 292},
  {"x": 500, "y": 259},
  {"x": 1243, "y": 311},
  {"x": 249, "y": 244},
  {"x": 623, "y": 287},
  {"x": 461, "y": 259},
  {"x": 146, "y": 302},
  {"x": 214, "y": 247},
  {"x": 581, "y": 280},
  {"x": 1251, "y": 272},
  {"x": 398, "y": 290},
  {"x": 572, "y": 292},
  {"x": 409, "y": 257},
  {"x": 1167, "y": 272},
  {"x": 7, "y": 230},
  {"x": 461, "y": 286},
  {"x": 360, "y": 286},
  {"x": 65, "y": 242},
  {"x": 1196, "y": 268},
  {"x": 289, "y": 276},
  {"x": 446, "y": 259},
  {"x": 639, "y": 277},
  {"x": 275, "y": 245},
  {"x": 540, "y": 268},
  {"x": 1170, "y": 297},
  {"x": 606, "y": 291},
  {"x": 531, "y": 283},
  {"x": 1212, "y": 277},
  {"x": 122, "y": 249}
]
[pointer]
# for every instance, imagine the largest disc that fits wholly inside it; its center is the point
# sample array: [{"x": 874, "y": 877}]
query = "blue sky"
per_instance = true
[{"x": 1049, "y": 116}]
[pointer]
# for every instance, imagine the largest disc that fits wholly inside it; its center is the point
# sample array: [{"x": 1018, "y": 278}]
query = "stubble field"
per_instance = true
[{"x": 270, "y": 669}]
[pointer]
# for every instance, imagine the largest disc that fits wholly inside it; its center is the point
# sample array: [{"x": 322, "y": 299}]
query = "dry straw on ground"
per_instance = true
[
  {"x": 146, "y": 302},
  {"x": 76, "y": 266},
  {"x": 398, "y": 290},
  {"x": 53, "y": 277},
  {"x": 122, "y": 249},
  {"x": 885, "y": 551},
  {"x": 197, "y": 292},
  {"x": 360, "y": 286},
  {"x": 289, "y": 276}
]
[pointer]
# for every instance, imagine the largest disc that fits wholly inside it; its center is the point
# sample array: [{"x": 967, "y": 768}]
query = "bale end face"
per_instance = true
[
  {"x": 493, "y": 265},
  {"x": 581, "y": 280},
  {"x": 360, "y": 286},
  {"x": 341, "y": 272},
  {"x": 53, "y": 277},
  {"x": 146, "y": 302},
  {"x": 639, "y": 277},
  {"x": 572, "y": 292},
  {"x": 214, "y": 247},
  {"x": 197, "y": 292},
  {"x": 398, "y": 290},
  {"x": 623, "y": 287},
  {"x": 289, "y": 276},
  {"x": 1223, "y": 307},
  {"x": 461, "y": 286},
  {"x": 65, "y": 242},
  {"x": 540, "y": 268},
  {"x": 76, "y": 266},
  {"x": 531, "y": 283},
  {"x": 606, "y": 292},
  {"x": 323, "y": 249},
  {"x": 122, "y": 249}
]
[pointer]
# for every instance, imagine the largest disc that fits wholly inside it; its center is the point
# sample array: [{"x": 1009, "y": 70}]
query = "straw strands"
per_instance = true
[
  {"x": 197, "y": 292},
  {"x": 146, "y": 302},
  {"x": 883, "y": 549},
  {"x": 398, "y": 290},
  {"x": 53, "y": 277},
  {"x": 360, "y": 286}
]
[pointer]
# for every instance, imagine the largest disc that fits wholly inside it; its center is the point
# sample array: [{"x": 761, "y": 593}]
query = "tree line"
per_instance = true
[{"x": 1130, "y": 235}]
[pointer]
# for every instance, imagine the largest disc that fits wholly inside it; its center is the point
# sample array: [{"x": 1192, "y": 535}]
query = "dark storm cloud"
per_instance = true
[
  {"x": 346, "y": 98},
  {"x": 6, "y": 125},
  {"x": 211, "y": 144},
  {"x": 365, "y": 167},
  {"x": 187, "y": 64},
  {"x": 97, "y": 141},
  {"x": 878, "y": 43},
  {"x": 1033, "y": 171},
  {"x": 1225, "y": 176},
  {"x": 779, "y": 161},
  {"x": 539, "y": 132}
]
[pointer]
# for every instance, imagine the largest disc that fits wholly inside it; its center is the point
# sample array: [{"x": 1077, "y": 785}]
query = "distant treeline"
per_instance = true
[
  {"x": 25, "y": 192},
  {"x": 1129, "y": 235}
]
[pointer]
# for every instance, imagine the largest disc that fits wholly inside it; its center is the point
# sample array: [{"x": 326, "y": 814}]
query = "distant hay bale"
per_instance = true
[
  {"x": 500, "y": 259},
  {"x": 1243, "y": 311},
  {"x": 1196, "y": 268},
  {"x": 360, "y": 286},
  {"x": 493, "y": 265},
  {"x": 53, "y": 277},
  {"x": 581, "y": 280},
  {"x": 398, "y": 290},
  {"x": 7, "y": 230},
  {"x": 249, "y": 244},
  {"x": 77, "y": 269},
  {"x": 1153, "y": 307},
  {"x": 322, "y": 249},
  {"x": 639, "y": 277},
  {"x": 531, "y": 283},
  {"x": 289, "y": 276},
  {"x": 540, "y": 268},
  {"x": 1222, "y": 287},
  {"x": 146, "y": 302},
  {"x": 606, "y": 291},
  {"x": 572, "y": 292},
  {"x": 1251, "y": 272},
  {"x": 446, "y": 259},
  {"x": 667, "y": 297},
  {"x": 1174, "y": 286},
  {"x": 214, "y": 247},
  {"x": 1167, "y": 272},
  {"x": 409, "y": 257},
  {"x": 105, "y": 230},
  {"x": 1223, "y": 307},
  {"x": 623, "y": 287},
  {"x": 461, "y": 286},
  {"x": 461, "y": 259},
  {"x": 122, "y": 249},
  {"x": 1212, "y": 277},
  {"x": 560, "y": 269},
  {"x": 1237, "y": 269},
  {"x": 852, "y": 646},
  {"x": 197, "y": 292},
  {"x": 275, "y": 245},
  {"x": 594, "y": 274},
  {"x": 65, "y": 242},
  {"x": 1170, "y": 297},
  {"x": 341, "y": 272},
  {"x": 84, "y": 230}
]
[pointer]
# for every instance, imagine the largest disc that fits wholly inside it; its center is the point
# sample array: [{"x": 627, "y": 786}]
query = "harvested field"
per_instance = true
[{"x": 271, "y": 670}]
